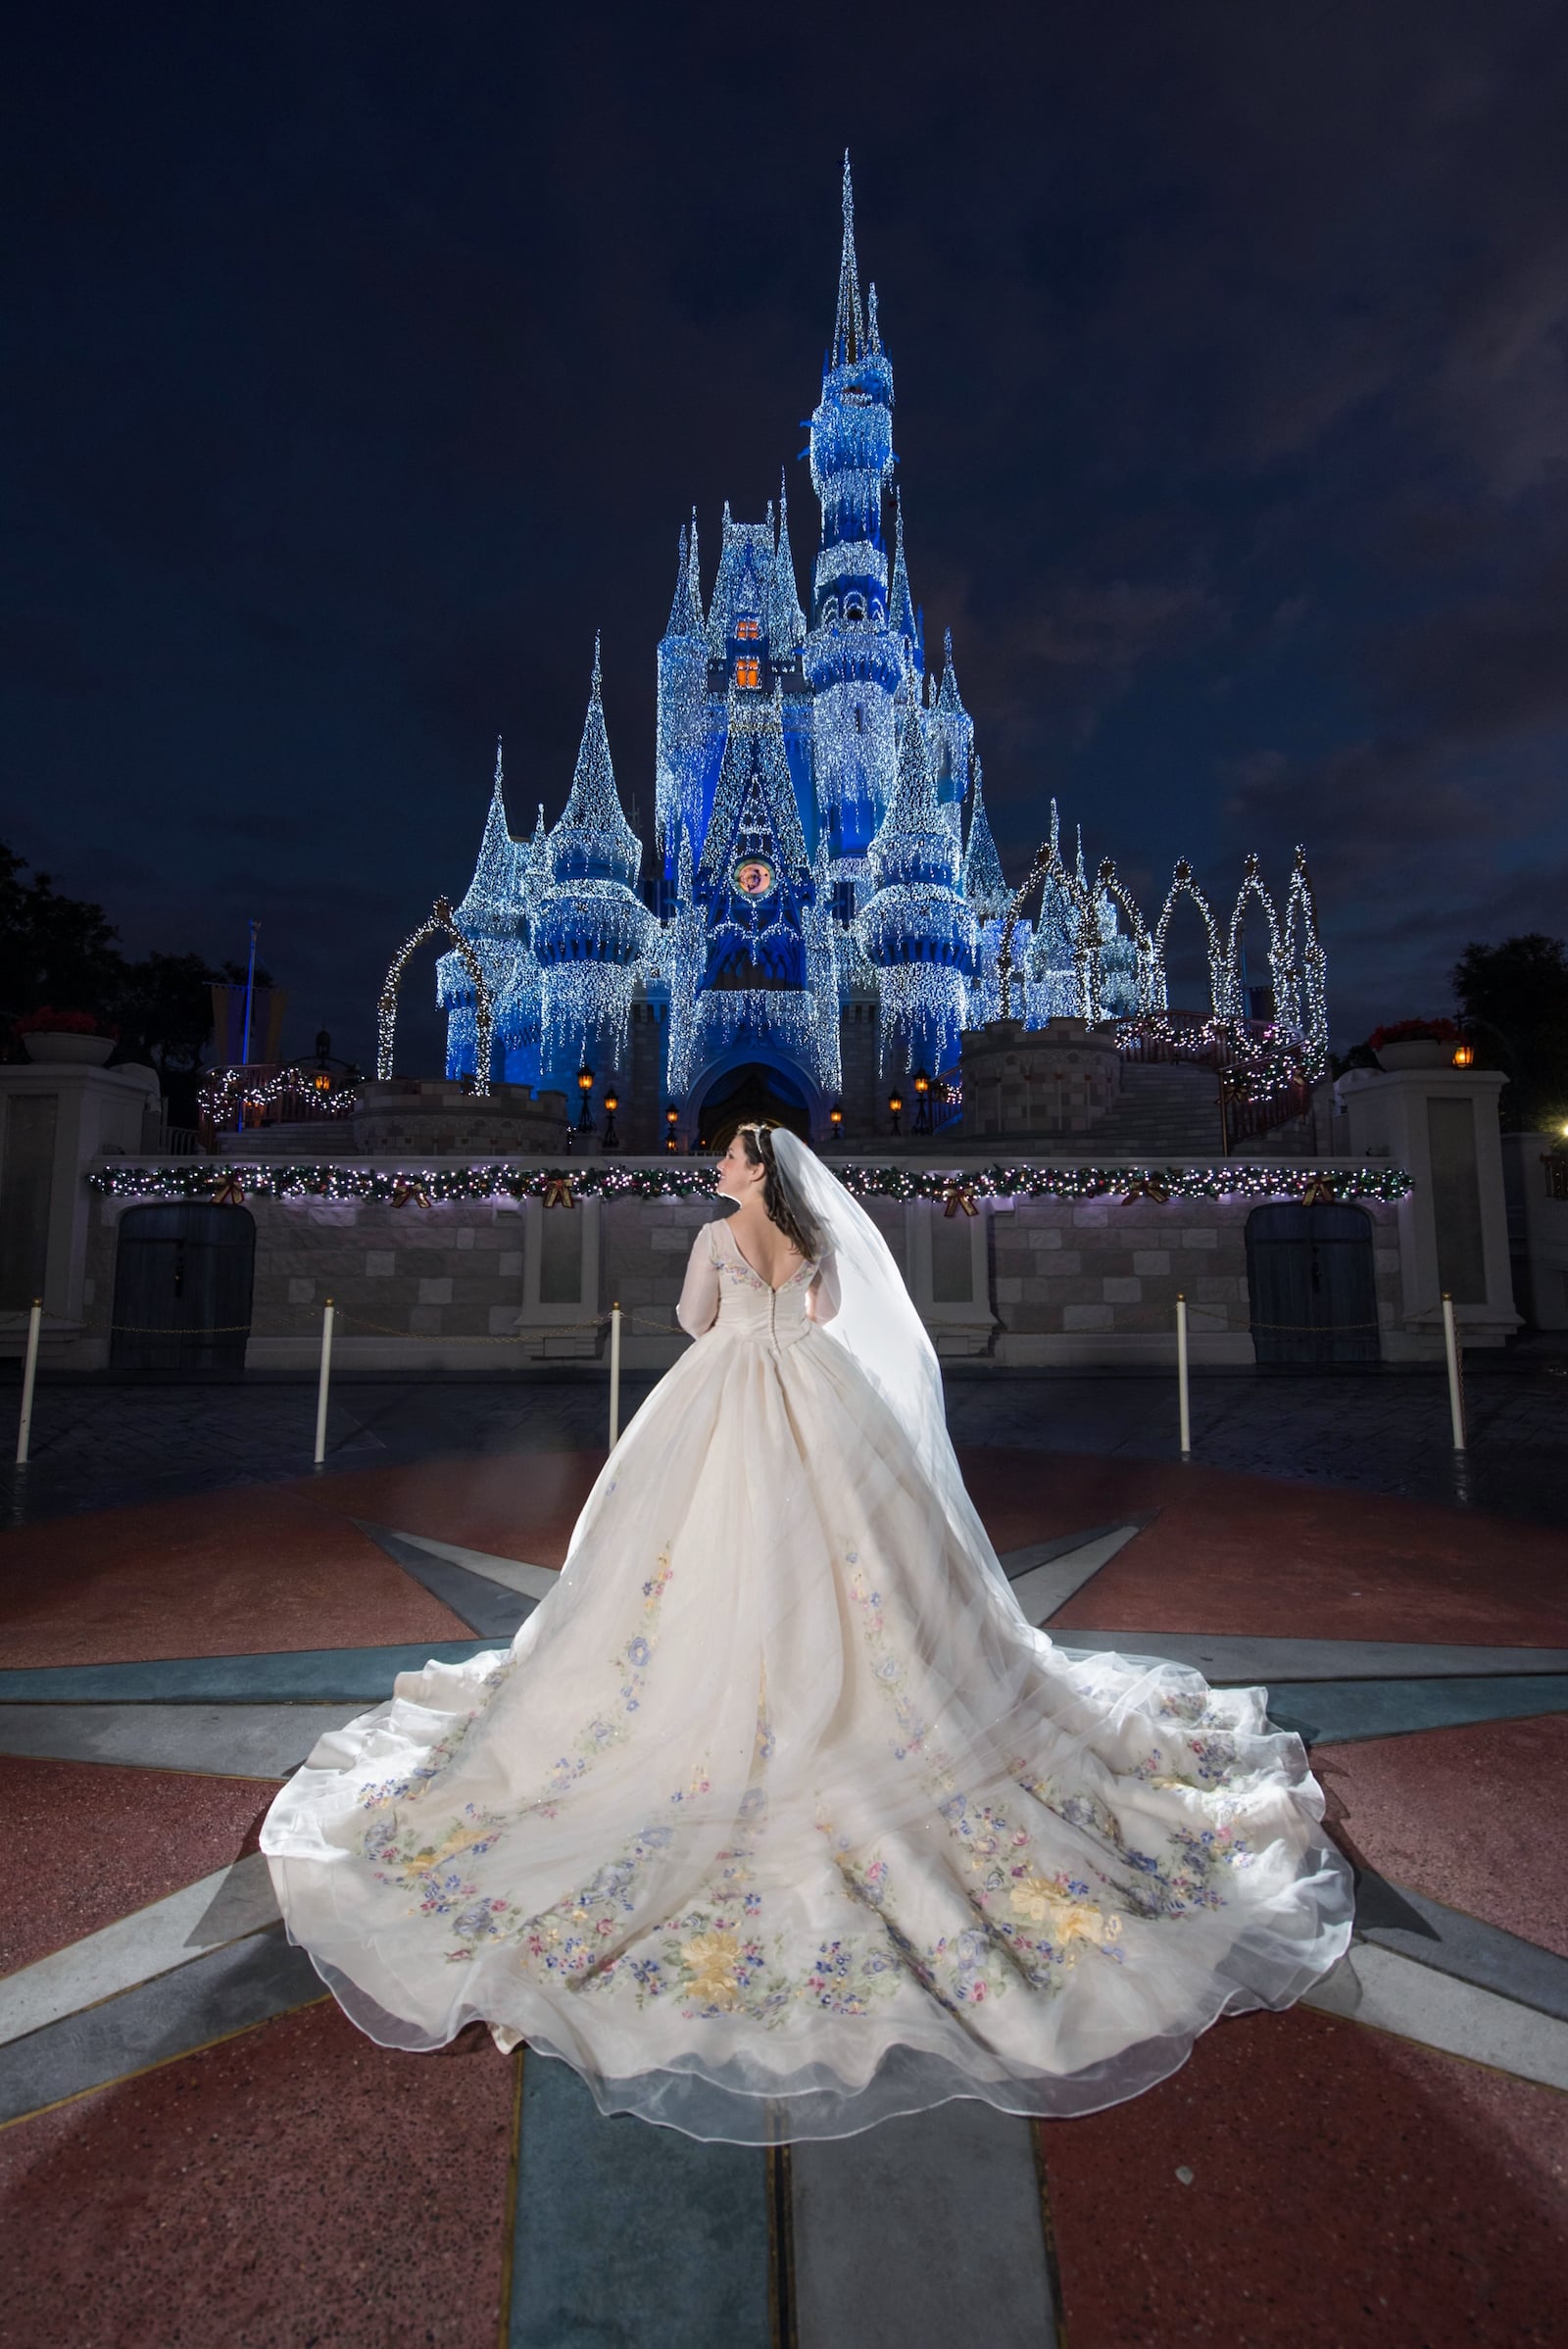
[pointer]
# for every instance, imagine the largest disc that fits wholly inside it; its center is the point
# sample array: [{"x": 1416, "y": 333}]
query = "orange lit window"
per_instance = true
[
  {"x": 748, "y": 672},
  {"x": 750, "y": 629}
]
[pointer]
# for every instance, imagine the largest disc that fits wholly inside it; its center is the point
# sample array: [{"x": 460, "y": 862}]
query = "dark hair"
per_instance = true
[{"x": 757, "y": 1144}]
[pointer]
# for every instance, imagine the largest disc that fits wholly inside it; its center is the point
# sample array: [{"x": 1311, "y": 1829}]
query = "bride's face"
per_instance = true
[{"x": 737, "y": 1177}]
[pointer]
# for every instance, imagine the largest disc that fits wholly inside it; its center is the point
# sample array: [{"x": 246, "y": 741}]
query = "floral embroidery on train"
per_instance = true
[
  {"x": 613, "y": 1726},
  {"x": 1184, "y": 1881}
]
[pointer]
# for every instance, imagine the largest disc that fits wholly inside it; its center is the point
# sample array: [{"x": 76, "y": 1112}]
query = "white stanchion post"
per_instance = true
[
  {"x": 1450, "y": 1345},
  {"x": 1183, "y": 1392},
  {"x": 615, "y": 1376},
  {"x": 29, "y": 1372},
  {"x": 323, "y": 1386}
]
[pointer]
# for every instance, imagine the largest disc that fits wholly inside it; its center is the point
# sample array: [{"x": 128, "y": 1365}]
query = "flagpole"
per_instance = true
[{"x": 250, "y": 994}]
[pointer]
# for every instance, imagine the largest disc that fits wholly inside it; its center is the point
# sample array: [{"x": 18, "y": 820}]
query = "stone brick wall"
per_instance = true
[{"x": 486, "y": 1286}]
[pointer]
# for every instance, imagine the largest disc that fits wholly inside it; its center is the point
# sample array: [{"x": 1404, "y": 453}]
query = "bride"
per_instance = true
[{"x": 778, "y": 1817}]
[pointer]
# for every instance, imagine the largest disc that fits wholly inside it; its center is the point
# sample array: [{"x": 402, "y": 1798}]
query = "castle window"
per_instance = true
[
  {"x": 748, "y": 673},
  {"x": 860, "y": 720},
  {"x": 751, "y": 630}
]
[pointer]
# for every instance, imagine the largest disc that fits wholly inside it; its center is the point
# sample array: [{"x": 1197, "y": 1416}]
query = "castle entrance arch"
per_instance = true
[{"x": 753, "y": 1091}]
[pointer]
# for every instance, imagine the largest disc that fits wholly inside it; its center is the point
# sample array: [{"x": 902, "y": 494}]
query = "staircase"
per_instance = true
[{"x": 1167, "y": 1111}]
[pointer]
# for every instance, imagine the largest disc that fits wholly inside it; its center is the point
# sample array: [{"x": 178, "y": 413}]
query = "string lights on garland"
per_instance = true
[{"x": 557, "y": 1186}]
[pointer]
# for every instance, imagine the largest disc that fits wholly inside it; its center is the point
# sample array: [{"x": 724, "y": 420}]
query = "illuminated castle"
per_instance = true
[{"x": 824, "y": 906}]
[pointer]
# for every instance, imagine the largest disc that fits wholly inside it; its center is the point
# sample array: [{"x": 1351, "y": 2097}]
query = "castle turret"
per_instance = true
[
  {"x": 590, "y": 928},
  {"x": 950, "y": 733},
  {"x": 854, "y": 661},
  {"x": 917, "y": 930},
  {"x": 492, "y": 917}
]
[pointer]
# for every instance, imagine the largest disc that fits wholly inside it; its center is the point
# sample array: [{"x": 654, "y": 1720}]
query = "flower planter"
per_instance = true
[
  {"x": 1417, "y": 1051},
  {"x": 62, "y": 1048}
]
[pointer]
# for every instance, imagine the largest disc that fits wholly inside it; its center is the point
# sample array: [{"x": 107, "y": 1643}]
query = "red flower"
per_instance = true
[
  {"x": 47, "y": 1021},
  {"x": 1415, "y": 1031}
]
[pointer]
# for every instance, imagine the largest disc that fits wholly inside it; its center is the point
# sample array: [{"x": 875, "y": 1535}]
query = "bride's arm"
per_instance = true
[
  {"x": 698, "y": 1310},
  {"x": 822, "y": 1296}
]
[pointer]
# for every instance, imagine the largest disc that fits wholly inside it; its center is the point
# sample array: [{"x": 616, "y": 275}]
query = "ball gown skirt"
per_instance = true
[{"x": 777, "y": 1817}]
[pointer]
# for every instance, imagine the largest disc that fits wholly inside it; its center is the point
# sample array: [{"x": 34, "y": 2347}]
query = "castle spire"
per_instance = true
[
  {"x": 900, "y": 603},
  {"x": 490, "y": 907},
  {"x": 873, "y": 332},
  {"x": 985, "y": 884},
  {"x": 685, "y": 619},
  {"x": 849, "y": 332},
  {"x": 949, "y": 701},
  {"x": 789, "y": 618}
]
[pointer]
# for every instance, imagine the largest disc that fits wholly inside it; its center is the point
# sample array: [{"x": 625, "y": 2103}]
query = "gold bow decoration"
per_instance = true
[
  {"x": 1146, "y": 1187},
  {"x": 230, "y": 1193},
  {"x": 403, "y": 1192},
  {"x": 1319, "y": 1192},
  {"x": 957, "y": 1196},
  {"x": 558, "y": 1192}
]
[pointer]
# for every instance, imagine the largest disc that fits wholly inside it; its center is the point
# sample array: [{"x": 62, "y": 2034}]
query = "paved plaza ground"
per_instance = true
[{"x": 196, "y": 2148}]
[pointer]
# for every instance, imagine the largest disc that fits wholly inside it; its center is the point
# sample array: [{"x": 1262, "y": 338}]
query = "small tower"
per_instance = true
[
  {"x": 590, "y": 928},
  {"x": 951, "y": 734},
  {"x": 917, "y": 932},
  {"x": 492, "y": 917},
  {"x": 854, "y": 660},
  {"x": 685, "y": 759}
]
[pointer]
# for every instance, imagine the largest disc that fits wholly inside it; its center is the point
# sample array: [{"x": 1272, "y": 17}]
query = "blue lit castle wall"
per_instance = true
[{"x": 822, "y": 853}]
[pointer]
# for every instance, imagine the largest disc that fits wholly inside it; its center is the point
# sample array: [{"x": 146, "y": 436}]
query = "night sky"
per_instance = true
[{"x": 364, "y": 362}]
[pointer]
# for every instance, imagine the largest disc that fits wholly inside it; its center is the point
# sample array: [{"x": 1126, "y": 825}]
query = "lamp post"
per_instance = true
[
  {"x": 895, "y": 1104},
  {"x": 835, "y": 1119},
  {"x": 611, "y": 1140},
  {"x": 585, "y": 1086},
  {"x": 671, "y": 1121},
  {"x": 1465, "y": 1054},
  {"x": 922, "y": 1102}
]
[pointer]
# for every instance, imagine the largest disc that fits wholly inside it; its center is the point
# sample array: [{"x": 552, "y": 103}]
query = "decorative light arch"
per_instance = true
[
  {"x": 1183, "y": 885},
  {"x": 1305, "y": 975},
  {"x": 1151, "y": 987},
  {"x": 1279, "y": 959},
  {"x": 438, "y": 923}
]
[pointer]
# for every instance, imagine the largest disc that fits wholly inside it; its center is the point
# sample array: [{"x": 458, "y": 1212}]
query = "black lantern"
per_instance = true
[
  {"x": 585, "y": 1086},
  {"x": 895, "y": 1104},
  {"x": 672, "y": 1120},
  {"x": 922, "y": 1102},
  {"x": 612, "y": 1104}
]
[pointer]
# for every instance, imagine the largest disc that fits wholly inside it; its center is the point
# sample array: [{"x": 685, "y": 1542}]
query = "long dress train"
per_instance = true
[{"x": 778, "y": 1817}]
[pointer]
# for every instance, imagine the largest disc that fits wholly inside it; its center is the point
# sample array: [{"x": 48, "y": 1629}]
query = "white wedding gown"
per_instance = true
[{"x": 778, "y": 1817}]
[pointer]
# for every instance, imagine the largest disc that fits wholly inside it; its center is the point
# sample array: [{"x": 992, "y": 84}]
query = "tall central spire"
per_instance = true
[{"x": 849, "y": 332}]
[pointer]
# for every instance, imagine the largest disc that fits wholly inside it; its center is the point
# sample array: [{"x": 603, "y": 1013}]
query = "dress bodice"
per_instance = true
[{"x": 723, "y": 1291}]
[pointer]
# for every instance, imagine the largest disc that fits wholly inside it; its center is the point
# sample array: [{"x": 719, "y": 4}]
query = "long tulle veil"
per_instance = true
[{"x": 878, "y": 1323}]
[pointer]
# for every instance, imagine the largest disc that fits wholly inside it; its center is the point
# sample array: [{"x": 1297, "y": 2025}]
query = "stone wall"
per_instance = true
[{"x": 488, "y": 1284}]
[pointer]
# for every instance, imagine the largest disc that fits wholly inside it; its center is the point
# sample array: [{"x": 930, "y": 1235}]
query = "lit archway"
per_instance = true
[{"x": 438, "y": 924}]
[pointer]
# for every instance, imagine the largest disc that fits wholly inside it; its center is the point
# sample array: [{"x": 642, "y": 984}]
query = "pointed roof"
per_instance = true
[
  {"x": 685, "y": 614},
  {"x": 593, "y": 836},
  {"x": 915, "y": 842},
  {"x": 873, "y": 331},
  {"x": 985, "y": 884},
  {"x": 900, "y": 603},
  {"x": 949, "y": 701},
  {"x": 848, "y": 329},
  {"x": 788, "y": 628},
  {"x": 490, "y": 907},
  {"x": 753, "y": 775}
]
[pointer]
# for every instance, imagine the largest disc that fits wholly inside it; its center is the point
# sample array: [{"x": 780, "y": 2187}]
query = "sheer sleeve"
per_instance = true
[
  {"x": 822, "y": 1296},
  {"x": 698, "y": 1310}
]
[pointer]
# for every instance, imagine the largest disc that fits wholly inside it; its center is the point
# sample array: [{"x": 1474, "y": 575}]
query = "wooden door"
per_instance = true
[
  {"x": 1309, "y": 1276},
  {"x": 182, "y": 1287}
]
